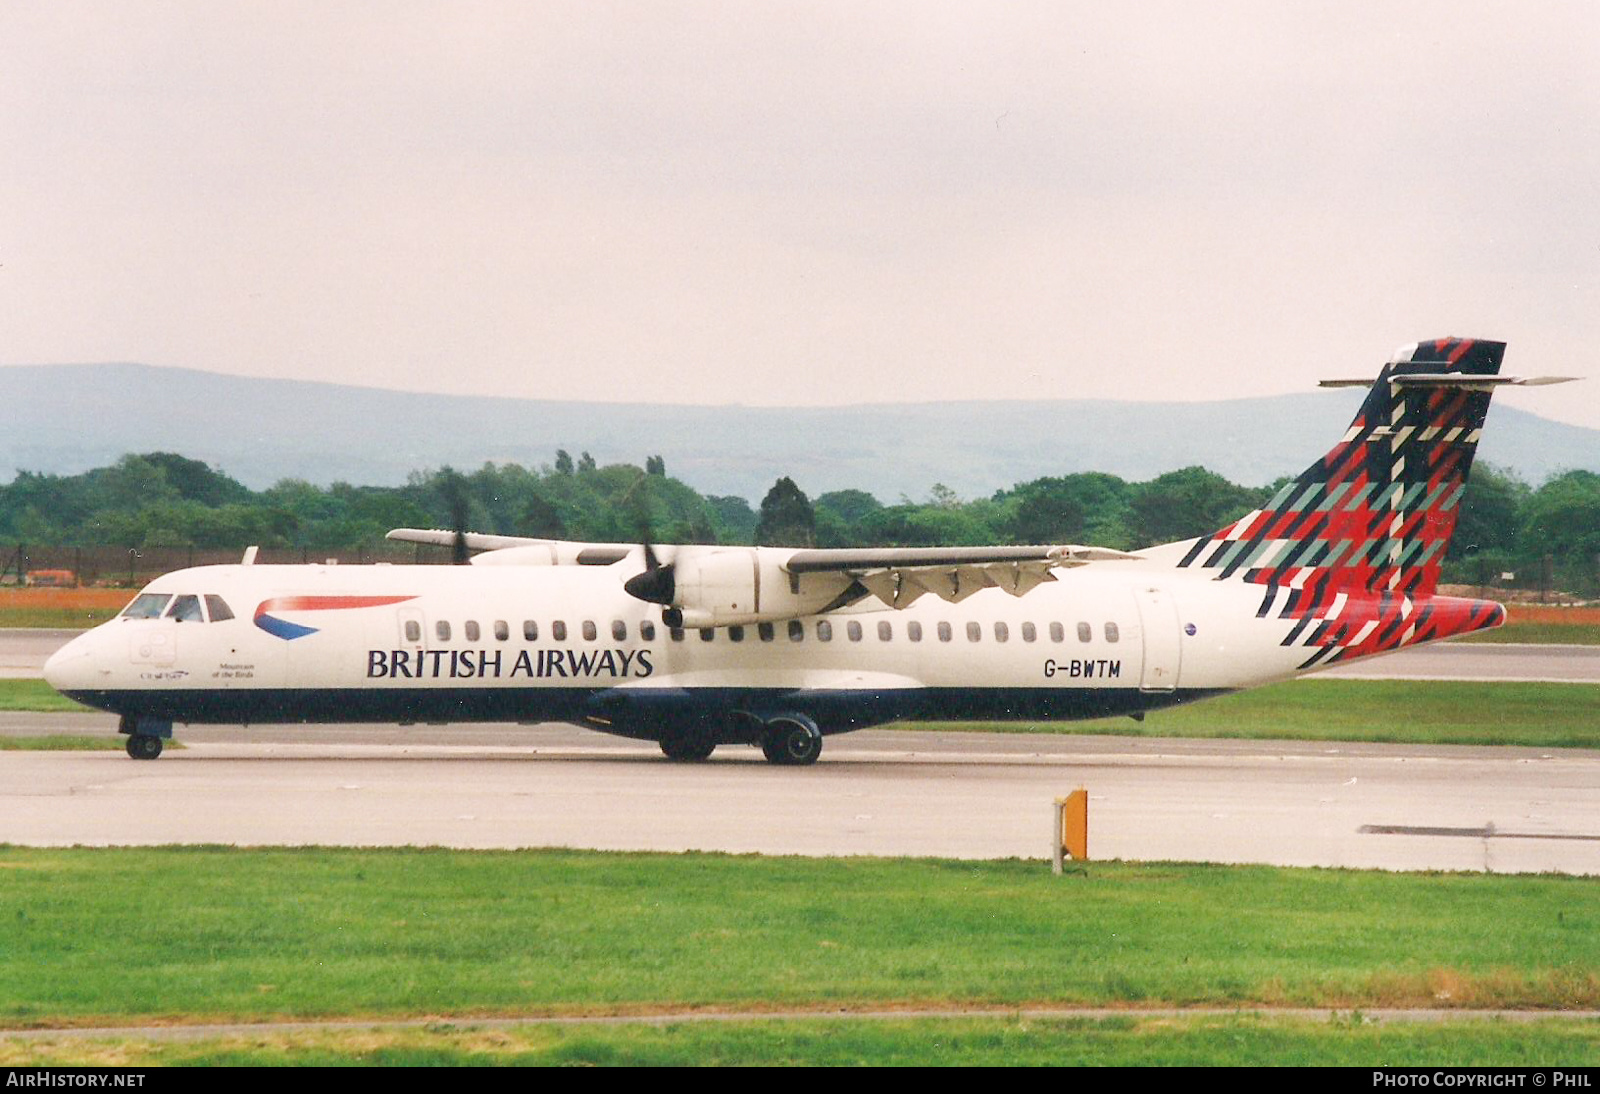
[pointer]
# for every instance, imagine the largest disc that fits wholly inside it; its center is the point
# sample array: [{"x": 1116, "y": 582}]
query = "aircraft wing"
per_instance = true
[
  {"x": 899, "y": 575},
  {"x": 476, "y": 541}
]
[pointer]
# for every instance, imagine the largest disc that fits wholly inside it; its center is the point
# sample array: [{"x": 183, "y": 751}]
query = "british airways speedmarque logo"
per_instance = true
[{"x": 288, "y": 631}]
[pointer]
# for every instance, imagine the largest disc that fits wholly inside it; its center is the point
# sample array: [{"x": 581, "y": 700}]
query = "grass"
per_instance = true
[
  {"x": 123, "y": 935},
  {"x": 63, "y": 744},
  {"x": 55, "y": 618},
  {"x": 1402, "y": 711},
  {"x": 1565, "y": 634},
  {"x": 1345, "y": 1040},
  {"x": 36, "y": 696}
]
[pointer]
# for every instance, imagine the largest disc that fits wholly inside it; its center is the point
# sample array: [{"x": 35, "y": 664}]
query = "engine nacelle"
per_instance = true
[{"x": 723, "y": 586}]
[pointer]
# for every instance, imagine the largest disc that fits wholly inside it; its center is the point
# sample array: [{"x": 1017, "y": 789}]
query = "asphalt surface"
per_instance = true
[
  {"x": 876, "y": 792},
  {"x": 23, "y": 651}
]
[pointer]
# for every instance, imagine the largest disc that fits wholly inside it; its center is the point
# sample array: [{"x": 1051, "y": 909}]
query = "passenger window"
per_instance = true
[
  {"x": 944, "y": 632},
  {"x": 676, "y": 632},
  {"x": 1001, "y": 632},
  {"x": 914, "y": 631},
  {"x": 824, "y": 631},
  {"x": 885, "y": 631},
  {"x": 619, "y": 630},
  {"x": 1058, "y": 633},
  {"x": 1029, "y": 632},
  {"x": 707, "y": 634},
  {"x": 1084, "y": 633},
  {"x": 502, "y": 630},
  {"x": 217, "y": 608},
  {"x": 530, "y": 631},
  {"x": 736, "y": 634},
  {"x": 797, "y": 631},
  {"x": 974, "y": 632},
  {"x": 185, "y": 609},
  {"x": 147, "y": 606},
  {"x": 765, "y": 630},
  {"x": 442, "y": 629},
  {"x": 413, "y": 631},
  {"x": 1111, "y": 632},
  {"x": 590, "y": 632},
  {"x": 853, "y": 629},
  {"x": 471, "y": 628},
  {"x": 647, "y": 631},
  {"x": 558, "y": 631}
]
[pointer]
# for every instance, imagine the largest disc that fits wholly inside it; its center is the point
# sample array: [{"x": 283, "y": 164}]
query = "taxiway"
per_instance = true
[{"x": 875, "y": 792}]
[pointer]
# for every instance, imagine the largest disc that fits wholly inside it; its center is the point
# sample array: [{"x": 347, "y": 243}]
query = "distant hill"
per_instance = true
[{"x": 70, "y": 418}]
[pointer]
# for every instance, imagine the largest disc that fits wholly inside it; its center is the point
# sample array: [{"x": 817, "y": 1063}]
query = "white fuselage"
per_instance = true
[{"x": 439, "y": 643}]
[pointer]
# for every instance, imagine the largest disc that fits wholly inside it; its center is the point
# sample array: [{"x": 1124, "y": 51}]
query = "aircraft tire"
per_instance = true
[
  {"x": 792, "y": 740},
  {"x": 144, "y": 746},
  {"x": 688, "y": 749}
]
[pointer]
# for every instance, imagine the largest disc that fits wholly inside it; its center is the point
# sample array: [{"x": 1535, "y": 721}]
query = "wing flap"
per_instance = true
[{"x": 898, "y": 576}]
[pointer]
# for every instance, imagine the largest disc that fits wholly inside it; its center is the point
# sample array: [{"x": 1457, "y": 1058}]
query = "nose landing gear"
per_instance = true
[
  {"x": 144, "y": 736},
  {"x": 144, "y": 746}
]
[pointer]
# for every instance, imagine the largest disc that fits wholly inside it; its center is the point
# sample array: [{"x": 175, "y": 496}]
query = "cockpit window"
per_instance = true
[
  {"x": 217, "y": 608},
  {"x": 186, "y": 609},
  {"x": 147, "y": 606}
]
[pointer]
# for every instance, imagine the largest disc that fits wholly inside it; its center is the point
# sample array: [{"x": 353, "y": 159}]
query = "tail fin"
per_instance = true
[{"x": 1370, "y": 521}]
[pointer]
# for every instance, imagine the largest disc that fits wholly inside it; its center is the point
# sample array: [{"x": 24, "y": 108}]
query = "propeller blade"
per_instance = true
[{"x": 657, "y": 584}]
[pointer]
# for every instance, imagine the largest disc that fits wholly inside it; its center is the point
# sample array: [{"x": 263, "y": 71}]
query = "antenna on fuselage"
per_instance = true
[{"x": 250, "y": 555}]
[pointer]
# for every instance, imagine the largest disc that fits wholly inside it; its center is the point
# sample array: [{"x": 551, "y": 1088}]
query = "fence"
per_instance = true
[{"x": 132, "y": 567}]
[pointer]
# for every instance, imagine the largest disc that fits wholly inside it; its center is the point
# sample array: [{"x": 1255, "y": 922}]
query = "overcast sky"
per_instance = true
[{"x": 803, "y": 202}]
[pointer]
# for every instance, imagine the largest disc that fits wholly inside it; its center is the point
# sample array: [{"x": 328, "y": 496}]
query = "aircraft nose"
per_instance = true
[{"x": 71, "y": 667}]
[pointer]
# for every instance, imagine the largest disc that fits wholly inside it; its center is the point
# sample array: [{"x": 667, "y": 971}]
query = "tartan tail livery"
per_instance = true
[{"x": 1348, "y": 554}]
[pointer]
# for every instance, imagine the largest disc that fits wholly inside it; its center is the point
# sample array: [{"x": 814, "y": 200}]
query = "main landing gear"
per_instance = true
[
  {"x": 689, "y": 748},
  {"x": 144, "y": 736},
  {"x": 792, "y": 740}
]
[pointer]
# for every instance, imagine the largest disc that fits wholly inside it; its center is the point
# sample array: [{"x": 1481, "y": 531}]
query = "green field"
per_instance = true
[
  {"x": 1540, "y": 634},
  {"x": 62, "y": 744},
  {"x": 35, "y": 695},
  {"x": 58, "y": 618},
  {"x": 211, "y": 933},
  {"x": 169, "y": 935},
  {"x": 1400, "y": 711}
]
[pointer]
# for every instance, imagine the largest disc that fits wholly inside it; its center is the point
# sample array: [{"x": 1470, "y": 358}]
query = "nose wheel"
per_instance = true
[
  {"x": 144, "y": 735},
  {"x": 144, "y": 746}
]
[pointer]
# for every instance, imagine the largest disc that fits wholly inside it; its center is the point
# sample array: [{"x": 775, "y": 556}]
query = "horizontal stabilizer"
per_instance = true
[{"x": 1460, "y": 381}]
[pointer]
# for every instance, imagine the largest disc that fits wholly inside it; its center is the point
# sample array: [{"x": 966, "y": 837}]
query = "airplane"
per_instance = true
[{"x": 696, "y": 646}]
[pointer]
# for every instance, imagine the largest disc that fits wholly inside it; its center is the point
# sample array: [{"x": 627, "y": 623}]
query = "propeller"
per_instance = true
[
  {"x": 657, "y": 584},
  {"x": 455, "y": 496}
]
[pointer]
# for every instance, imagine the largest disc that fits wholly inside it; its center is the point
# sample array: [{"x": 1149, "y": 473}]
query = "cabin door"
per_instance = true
[{"x": 1163, "y": 645}]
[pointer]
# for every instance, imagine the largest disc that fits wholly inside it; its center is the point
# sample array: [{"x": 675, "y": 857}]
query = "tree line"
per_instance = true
[{"x": 161, "y": 499}]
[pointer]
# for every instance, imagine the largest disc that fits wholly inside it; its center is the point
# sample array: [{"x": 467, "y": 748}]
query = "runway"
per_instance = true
[
  {"x": 876, "y": 792},
  {"x": 24, "y": 650},
  {"x": 23, "y": 654}
]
